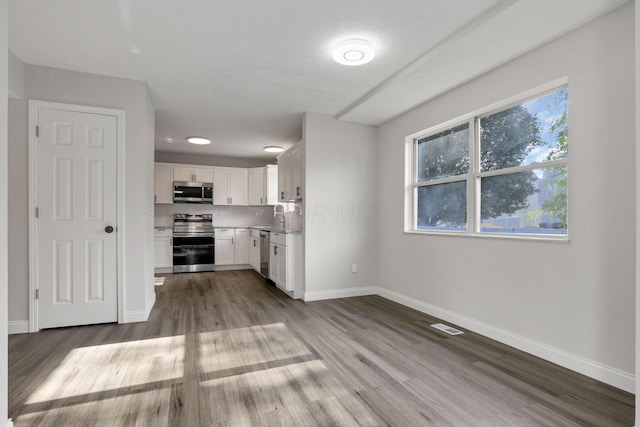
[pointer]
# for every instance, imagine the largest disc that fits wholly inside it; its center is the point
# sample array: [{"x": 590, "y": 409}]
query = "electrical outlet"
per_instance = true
[{"x": 354, "y": 268}]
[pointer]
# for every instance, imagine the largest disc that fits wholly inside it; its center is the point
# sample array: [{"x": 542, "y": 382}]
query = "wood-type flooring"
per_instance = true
[{"x": 227, "y": 349}]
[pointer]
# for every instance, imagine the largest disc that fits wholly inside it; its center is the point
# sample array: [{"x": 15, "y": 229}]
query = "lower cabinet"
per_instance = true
[
  {"x": 254, "y": 250},
  {"x": 163, "y": 248},
  {"x": 225, "y": 253},
  {"x": 232, "y": 246},
  {"x": 278, "y": 265},
  {"x": 241, "y": 246},
  {"x": 283, "y": 263}
]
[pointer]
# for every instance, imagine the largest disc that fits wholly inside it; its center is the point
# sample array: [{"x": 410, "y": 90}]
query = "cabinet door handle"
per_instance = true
[
  {"x": 254, "y": 243},
  {"x": 232, "y": 240},
  {"x": 297, "y": 191},
  {"x": 229, "y": 199},
  {"x": 275, "y": 250},
  {"x": 260, "y": 200},
  {"x": 282, "y": 195}
]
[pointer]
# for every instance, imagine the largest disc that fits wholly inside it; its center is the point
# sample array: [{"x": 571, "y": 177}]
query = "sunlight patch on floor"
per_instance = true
[
  {"x": 120, "y": 365},
  {"x": 159, "y": 281},
  {"x": 234, "y": 348},
  {"x": 296, "y": 394},
  {"x": 115, "y": 411}
]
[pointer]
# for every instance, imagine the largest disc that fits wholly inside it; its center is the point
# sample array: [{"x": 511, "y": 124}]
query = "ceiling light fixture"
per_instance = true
[
  {"x": 198, "y": 140},
  {"x": 273, "y": 149},
  {"x": 353, "y": 52}
]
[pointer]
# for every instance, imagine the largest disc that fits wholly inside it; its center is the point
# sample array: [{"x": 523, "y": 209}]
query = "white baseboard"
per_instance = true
[
  {"x": 590, "y": 368},
  {"x": 18, "y": 327},
  {"x": 135, "y": 316},
  {"x": 340, "y": 293},
  {"x": 9, "y": 423}
]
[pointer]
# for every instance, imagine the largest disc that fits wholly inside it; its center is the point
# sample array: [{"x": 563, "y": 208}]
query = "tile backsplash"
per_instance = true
[{"x": 223, "y": 216}]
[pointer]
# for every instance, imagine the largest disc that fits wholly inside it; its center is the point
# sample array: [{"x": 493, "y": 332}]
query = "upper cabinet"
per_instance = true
[
  {"x": 263, "y": 185},
  {"x": 290, "y": 185},
  {"x": 256, "y": 186},
  {"x": 296, "y": 172},
  {"x": 230, "y": 186},
  {"x": 190, "y": 173},
  {"x": 163, "y": 183}
]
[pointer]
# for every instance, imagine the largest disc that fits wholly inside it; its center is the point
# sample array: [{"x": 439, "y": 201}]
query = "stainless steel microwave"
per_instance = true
[{"x": 192, "y": 192}]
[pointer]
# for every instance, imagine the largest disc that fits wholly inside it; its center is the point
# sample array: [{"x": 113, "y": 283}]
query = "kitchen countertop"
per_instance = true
[{"x": 252, "y": 227}]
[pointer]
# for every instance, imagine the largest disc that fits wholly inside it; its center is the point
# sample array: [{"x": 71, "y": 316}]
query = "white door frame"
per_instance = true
[{"x": 34, "y": 106}]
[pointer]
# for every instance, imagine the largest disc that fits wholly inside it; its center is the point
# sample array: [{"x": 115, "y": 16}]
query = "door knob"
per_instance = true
[{"x": 108, "y": 229}]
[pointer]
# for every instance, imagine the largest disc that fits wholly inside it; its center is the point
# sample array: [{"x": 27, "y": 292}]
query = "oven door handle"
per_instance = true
[{"x": 193, "y": 234}]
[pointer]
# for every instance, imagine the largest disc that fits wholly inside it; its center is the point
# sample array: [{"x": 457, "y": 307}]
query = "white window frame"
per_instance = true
[{"x": 474, "y": 176}]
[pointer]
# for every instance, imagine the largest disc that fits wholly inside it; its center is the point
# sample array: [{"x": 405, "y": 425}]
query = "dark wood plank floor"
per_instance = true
[{"x": 225, "y": 349}]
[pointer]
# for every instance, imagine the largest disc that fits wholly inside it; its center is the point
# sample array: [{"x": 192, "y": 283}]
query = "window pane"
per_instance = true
[
  {"x": 532, "y": 132},
  {"x": 444, "y": 154},
  {"x": 443, "y": 207},
  {"x": 531, "y": 202}
]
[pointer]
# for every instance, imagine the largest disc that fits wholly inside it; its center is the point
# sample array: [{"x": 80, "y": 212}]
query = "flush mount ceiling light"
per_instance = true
[
  {"x": 198, "y": 140},
  {"x": 353, "y": 52},
  {"x": 273, "y": 149}
]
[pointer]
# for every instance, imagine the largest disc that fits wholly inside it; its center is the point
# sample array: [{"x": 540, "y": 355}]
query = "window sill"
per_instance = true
[{"x": 538, "y": 238}]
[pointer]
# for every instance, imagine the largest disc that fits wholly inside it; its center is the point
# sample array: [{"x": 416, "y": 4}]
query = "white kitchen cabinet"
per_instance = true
[
  {"x": 254, "y": 250},
  {"x": 270, "y": 185},
  {"x": 232, "y": 246},
  {"x": 230, "y": 186},
  {"x": 225, "y": 253},
  {"x": 296, "y": 172},
  {"x": 163, "y": 183},
  {"x": 163, "y": 248},
  {"x": 284, "y": 176},
  {"x": 278, "y": 265},
  {"x": 263, "y": 185},
  {"x": 290, "y": 185},
  {"x": 283, "y": 262},
  {"x": 241, "y": 244},
  {"x": 192, "y": 173},
  {"x": 256, "y": 186}
]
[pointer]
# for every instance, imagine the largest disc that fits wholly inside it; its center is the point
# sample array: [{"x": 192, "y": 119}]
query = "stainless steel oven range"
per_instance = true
[{"x": 193, "y": 243}]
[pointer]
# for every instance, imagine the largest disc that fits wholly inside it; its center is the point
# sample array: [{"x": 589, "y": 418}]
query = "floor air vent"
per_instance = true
[{"x": 447, "y": 329}]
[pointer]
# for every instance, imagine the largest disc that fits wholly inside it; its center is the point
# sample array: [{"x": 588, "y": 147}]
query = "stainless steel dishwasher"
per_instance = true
[{"x": 264, "y": 253}]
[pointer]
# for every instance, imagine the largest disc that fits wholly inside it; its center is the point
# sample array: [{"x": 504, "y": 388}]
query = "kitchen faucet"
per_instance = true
[{"x": 280, "y": 212}]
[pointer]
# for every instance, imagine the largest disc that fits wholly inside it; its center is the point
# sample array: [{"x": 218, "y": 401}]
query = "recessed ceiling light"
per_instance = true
[
  {"x": 273, "y": 149},
  {"x": 353, "y": 52},
  {"x": 198, "y": 140}
]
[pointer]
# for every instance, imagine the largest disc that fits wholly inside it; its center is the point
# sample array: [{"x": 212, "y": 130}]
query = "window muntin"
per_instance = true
[{"x": 515, "y": 184}]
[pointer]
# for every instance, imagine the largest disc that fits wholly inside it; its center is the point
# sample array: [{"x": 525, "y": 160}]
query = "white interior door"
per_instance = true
[{"x": 77, "y": 251}]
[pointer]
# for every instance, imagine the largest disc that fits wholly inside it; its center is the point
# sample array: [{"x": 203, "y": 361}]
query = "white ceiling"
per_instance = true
[{"x": 243, "y": 72}]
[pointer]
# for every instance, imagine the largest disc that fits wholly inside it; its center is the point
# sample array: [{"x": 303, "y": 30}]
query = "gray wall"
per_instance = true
[
  {"x": 571, "y": 302},
  {"x": 16, "y": 77},
  {"x": 4, "y": 393},
  {"x": 49, "y": 84},
  {"x": 340, "y": 204}
]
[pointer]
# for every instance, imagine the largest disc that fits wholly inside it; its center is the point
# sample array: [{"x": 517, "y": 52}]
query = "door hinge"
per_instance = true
[
  {"x": 37, "y": 293},
  {"x": 37, "y": 212},
  {"x": 38, "y": 131}
]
